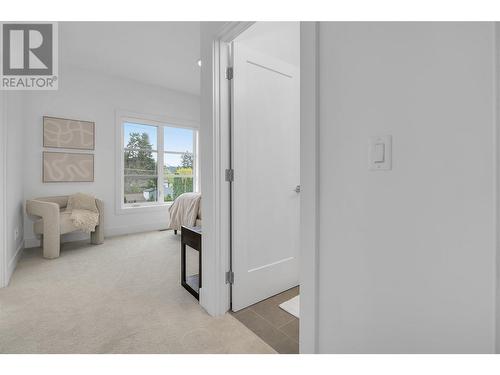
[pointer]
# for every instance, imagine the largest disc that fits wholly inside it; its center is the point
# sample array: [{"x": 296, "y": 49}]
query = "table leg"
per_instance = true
[
  {"x": 199, "y": 267},
  {"x": 183, "y": 263}
]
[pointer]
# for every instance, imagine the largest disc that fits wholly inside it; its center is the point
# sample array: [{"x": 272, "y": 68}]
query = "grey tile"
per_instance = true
[
  {"x": 265, "y": 330},
  {"x": 270, "y": 311},
  {"x": 291, "y": 329},
  {"x": 272, "y": 324},
  {"x": 290, "y": 293},
  {"x": 269, "y": 308},
  {"x": 284, "y": 296},
  {"x": 287, "y": 346}
]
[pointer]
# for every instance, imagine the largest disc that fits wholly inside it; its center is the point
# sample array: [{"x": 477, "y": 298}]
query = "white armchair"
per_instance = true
[{"x": 52, "y": 219}]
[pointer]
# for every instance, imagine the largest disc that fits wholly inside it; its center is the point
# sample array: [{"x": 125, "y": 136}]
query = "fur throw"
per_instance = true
[{"x": 84, "y": 212}]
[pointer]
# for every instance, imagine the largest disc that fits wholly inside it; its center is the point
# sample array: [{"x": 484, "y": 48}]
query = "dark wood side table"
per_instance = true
[{"x": 191, "y": 236}]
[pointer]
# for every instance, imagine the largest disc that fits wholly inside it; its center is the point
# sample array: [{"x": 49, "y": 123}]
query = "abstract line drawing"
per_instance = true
[
  {"x": 68, "y": 167},
  {"x": 66, "y": 133}
]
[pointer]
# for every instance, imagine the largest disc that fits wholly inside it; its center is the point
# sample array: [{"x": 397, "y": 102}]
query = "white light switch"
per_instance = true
[{"x": 380, "y": 153}]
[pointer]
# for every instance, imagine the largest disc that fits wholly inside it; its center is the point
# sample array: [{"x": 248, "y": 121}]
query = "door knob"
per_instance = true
[{"x": 297, "y": 189}]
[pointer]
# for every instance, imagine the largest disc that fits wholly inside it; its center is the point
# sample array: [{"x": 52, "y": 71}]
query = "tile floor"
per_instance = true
[{"x": 275, "y": 326}]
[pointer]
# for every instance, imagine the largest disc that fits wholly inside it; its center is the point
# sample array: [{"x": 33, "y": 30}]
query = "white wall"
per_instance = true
[
  {"x": 87, "y": 95},
  {"x": 3, "y": 189},
  {"x": 309, "y": 171},
  {"x": 407, "y": 257},
  {"x": 14, "y": 180},
  {"x": 497, "y": 142}
]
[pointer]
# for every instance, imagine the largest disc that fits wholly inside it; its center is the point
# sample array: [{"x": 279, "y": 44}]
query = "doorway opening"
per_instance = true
[{"x": 264, "y": 158}]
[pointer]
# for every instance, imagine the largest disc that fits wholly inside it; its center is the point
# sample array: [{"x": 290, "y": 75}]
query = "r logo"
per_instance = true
[{"x": 27, "y": 49}]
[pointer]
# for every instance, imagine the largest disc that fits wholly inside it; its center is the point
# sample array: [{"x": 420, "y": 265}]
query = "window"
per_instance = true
[
  {"x": 159, "y": 162},
  {"x": 178, "y": 162}
]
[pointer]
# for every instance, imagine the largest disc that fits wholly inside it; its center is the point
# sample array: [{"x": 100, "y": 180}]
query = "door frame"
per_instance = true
[{"x": 216, "y": 298}]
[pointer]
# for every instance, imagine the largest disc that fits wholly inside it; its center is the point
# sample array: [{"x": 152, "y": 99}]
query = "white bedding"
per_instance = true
[{"x": 185, "y": 210}]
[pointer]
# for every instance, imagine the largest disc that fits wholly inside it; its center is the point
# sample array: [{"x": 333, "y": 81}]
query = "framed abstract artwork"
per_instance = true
[
  {"x": 67, "y": 167},
  {"x": 69, "y": 134}
]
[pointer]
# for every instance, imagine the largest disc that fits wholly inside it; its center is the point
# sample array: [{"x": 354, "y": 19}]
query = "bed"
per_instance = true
[{"x": 185, "y": 210}]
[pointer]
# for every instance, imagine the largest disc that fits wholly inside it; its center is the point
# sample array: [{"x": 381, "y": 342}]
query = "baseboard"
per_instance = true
[
  {"x": 108, "y": 232},
  {"x": 31, "y": 242},
  {"x": 70, "y": 237},
  {"x": 13, "y": 262}
]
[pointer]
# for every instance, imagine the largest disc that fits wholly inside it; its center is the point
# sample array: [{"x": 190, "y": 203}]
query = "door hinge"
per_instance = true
[
  {"x": 229, "y": 277},
  {"x": 229, "y": 175},
  {"x": 229, "y": 73}
]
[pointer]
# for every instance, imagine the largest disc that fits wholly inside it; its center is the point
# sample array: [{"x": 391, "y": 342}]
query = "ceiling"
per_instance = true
[{"x": 158, "y": 53}]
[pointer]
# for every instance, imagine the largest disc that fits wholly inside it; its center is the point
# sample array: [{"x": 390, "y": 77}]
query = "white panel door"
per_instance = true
[{"x": 266, "y": 161}]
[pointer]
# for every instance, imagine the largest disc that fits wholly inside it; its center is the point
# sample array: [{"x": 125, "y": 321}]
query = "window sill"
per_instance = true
[{"x": 142, "y": 208}]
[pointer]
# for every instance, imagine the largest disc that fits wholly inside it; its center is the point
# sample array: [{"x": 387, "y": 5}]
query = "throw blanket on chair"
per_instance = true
[
  {"x": 84, "y": 212},
  {"x": 184, "y": 210}
]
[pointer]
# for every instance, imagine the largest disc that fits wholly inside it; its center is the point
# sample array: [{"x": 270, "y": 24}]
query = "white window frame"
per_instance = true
[{"x": 160, "y": 122}]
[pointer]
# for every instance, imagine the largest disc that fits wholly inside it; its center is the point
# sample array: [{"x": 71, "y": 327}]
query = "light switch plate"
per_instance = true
[{"x": 380, "y": 153}]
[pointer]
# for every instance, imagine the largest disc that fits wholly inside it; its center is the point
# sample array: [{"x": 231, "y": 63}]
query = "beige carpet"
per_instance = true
[{"x": 120, "y": 297}]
